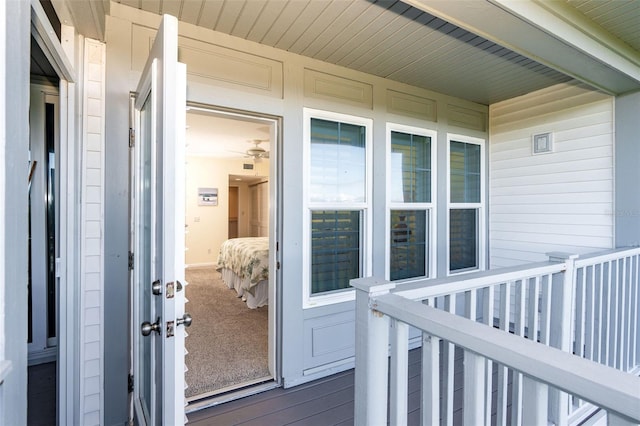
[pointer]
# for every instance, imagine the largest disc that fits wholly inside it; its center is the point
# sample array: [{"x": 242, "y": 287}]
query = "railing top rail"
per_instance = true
[
  {"x": 425, "y": 288},
  {"x": 606, "y": 256},
  {"x": 603, "y": 386}
]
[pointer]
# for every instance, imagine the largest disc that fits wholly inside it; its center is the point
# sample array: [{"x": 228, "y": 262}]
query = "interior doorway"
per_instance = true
[{"x": 231, "y": 251}]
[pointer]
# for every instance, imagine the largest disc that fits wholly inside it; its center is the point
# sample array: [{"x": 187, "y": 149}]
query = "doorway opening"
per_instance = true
[
  {"x": 230, "y": 257},
  {"x": 43, "y": 233}
]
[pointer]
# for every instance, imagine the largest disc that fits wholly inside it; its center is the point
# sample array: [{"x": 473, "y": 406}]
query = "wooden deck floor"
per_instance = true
[
  {"x": 324, "y": 402},
  {"x": 41, "y": 395}
]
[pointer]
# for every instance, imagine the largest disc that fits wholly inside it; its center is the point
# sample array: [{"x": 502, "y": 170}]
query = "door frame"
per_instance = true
[
  {"x": 67, "y": 242},
  {"x": 275, "y": 239}
]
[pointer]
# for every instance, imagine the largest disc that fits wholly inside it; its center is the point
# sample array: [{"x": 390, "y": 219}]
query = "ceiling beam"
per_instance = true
[{"x": 549, "y": 35}]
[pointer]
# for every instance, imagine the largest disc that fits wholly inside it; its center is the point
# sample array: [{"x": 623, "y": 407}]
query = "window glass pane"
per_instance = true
[
  {"x": 335, "y": 249},
  {"x": 408, "y": 244},
  {"x": 463, "y": 239},
  {"x": 465, "y": 172},
  {"x": 337, "y": 162},
  {"x": 410, "y": 168}
]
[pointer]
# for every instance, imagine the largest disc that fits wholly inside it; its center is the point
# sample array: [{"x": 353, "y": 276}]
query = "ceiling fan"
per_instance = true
[{"x": 256, "y": 151}]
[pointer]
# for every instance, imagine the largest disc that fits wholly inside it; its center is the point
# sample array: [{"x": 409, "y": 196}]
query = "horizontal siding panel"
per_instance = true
[
  {"x": 546, "y": 219},
  {"x": 555, "y": 164},
  {"x": 578, "y": 128},
  {"x": 604, "y": 208},
  {"x": 547, "y": 246},
  {"x": 551, "y": 178},
  {"x": 566, "y": 240},
  {"x": 530, "y": 121},
  {"x": 584, "y": 199},
  {"x": 553, "y": 188},
  {"x": 559, "y": 201},
  {"x": 567, "y": 229}
]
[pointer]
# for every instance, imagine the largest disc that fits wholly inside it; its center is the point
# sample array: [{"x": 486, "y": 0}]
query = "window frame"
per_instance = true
[
  {"x": 429, "y": 208},
  {"x": 480, "y": 206},
  {"x": 310, "y": 300}
]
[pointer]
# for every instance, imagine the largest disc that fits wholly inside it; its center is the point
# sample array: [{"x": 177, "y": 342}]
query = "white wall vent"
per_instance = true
[{"x": 542, "y": 143}]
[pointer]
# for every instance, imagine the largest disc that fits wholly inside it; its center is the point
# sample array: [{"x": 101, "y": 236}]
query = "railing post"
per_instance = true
[
  {"x": 372, "y": 352},
  {"x": 563, "y": 289}
]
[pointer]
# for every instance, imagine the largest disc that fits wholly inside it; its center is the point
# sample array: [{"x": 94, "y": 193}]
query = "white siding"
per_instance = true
[
  {"x": 92, "y": 234},
  {"x": 557, "y": 201}
]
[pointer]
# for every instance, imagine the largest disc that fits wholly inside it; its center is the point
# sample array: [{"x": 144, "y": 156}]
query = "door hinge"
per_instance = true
[
  {"x": 132, "y": 137},
  {"x": 130, "y": 383},
  {"x": 131, "y": 261}
]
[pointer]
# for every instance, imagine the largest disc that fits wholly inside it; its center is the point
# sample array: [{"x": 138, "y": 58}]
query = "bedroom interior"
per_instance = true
[{"x": 227, "y": 204}]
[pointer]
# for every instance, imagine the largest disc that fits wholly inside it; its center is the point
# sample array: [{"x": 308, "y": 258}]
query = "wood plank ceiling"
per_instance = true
[{"x": 386, "y": 38}]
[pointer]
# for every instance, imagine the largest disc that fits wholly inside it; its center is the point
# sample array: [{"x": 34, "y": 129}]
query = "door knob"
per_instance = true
[
  {"x": 146, "y": 328},
  {"x": 186, "y": 320}
]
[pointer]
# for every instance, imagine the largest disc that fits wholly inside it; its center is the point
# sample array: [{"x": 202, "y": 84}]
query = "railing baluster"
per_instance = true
[
  {"x": 613, "y": 284},
  {"x": 591, "y": 311},
  {"x": 622, "y": 313},
  {"x": 545, "y": 309},
  {"x": 399, "y": 373},
  {"x": 503, "y": 372},
  {"x": 430, "y": 409},
  {"x": 448, "y": 363},
  {"x": 635, "y": 315},
  {"x": 608, "y": 288},
  {"x": 534, "y": 308},
  {"x": 474, "y": 375},
  {"x": 601, "y": 315},
  {"x": 535, "y": 396},
  {"x": 487, "y": 317},
  {"x": 519, "y": 329}
]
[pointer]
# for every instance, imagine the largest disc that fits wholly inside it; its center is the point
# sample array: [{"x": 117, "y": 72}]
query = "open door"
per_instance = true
[{"x": 158, "y": 318}]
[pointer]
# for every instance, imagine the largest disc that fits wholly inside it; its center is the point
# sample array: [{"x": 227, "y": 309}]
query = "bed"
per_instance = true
[{"x": 244, "y": 265}]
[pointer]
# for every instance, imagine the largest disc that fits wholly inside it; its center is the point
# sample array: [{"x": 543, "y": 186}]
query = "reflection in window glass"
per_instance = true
[
  {"x": 335, "y": 249},
  {"x": 408, "y": 244},
  {"x": 337, "y": 162},
  {"x": 410, "y": 168},
  {"x": 463, "y": 239},
  {"x": 464, "y": 172}
]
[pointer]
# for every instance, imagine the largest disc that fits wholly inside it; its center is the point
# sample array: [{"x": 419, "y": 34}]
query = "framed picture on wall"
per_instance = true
[{"x": 207, "y": 196}]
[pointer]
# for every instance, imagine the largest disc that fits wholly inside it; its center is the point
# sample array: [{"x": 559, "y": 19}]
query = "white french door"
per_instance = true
[{"x": 158, "y": 317}]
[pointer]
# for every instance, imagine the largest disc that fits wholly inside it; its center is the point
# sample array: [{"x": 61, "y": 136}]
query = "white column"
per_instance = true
[
  {"x": 372, "y": 351},
  {"x": 562, "y": 294}
]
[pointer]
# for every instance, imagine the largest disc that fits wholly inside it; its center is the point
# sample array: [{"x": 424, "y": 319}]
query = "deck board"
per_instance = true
[{"x": 326, "y": 401}]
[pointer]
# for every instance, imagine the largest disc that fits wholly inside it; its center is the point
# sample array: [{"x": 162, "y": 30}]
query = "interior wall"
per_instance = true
[
  {"x": 207, "y": 225},
  {"x": 556, "y": 201}
]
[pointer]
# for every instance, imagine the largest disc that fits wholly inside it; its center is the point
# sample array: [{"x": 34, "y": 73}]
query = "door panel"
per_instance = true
[{"x": 158, "y": 228}]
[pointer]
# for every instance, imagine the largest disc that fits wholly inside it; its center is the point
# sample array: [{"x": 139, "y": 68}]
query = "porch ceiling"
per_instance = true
[{"x": 483, "y": 51}]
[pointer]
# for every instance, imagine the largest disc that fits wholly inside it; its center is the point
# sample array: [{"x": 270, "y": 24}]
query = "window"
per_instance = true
[
  {"x": 466, "y": 159},
  {"x": 410, "y": 207},
  {"x": 337, "y": 200}
]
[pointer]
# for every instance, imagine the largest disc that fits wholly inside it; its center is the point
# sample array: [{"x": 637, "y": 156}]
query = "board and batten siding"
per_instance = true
[
  {"x": 92, "y": 237},
  {"x": 556, "y": 201}
]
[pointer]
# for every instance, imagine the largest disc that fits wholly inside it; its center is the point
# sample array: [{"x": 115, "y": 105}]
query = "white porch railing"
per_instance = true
[{"x": 523, "y": 324}]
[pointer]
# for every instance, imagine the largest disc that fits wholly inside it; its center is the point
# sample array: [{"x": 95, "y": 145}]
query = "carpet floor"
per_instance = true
[{"x": 227, "y": 342}]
